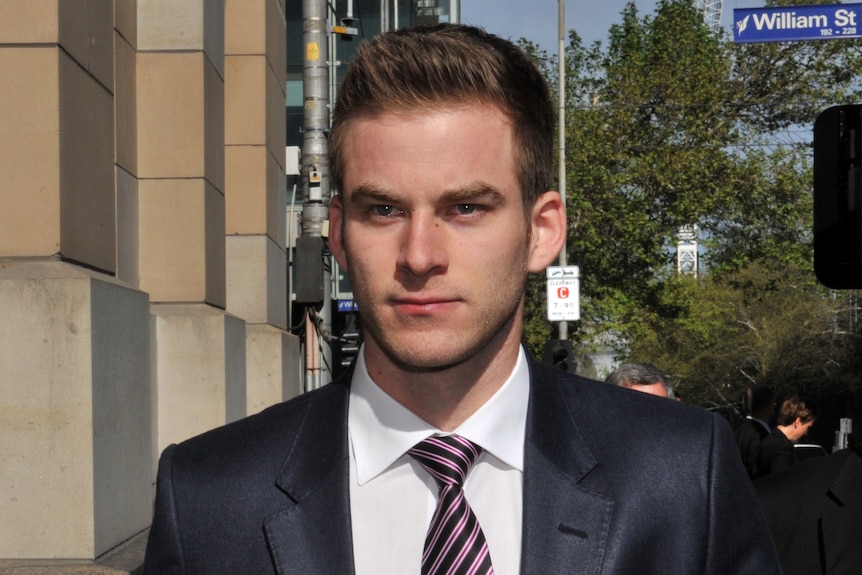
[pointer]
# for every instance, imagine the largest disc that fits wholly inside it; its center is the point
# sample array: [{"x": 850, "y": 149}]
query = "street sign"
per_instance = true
[
  {"x": 789, "y": 23},
  {"x": 564, "y": 293}
]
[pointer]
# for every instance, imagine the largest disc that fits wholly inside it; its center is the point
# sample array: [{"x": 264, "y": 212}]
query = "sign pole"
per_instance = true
[{"x": 561, "y": 17}]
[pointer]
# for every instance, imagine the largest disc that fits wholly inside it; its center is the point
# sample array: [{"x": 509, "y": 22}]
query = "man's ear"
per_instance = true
[
  {"x": 547, "y": 231},
  {"x": 336, "y": 228}
]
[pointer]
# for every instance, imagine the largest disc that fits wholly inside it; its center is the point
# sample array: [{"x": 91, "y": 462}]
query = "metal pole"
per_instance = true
[
  {"x": 564, "y": 326},
  {"x": 315, "y": 163}
]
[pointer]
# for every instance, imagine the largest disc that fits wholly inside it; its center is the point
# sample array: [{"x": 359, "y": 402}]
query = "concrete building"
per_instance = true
[{"x": 142, "y": 256}]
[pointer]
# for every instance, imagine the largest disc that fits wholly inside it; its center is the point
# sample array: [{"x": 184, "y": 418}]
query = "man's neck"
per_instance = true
[
  {"x": 444, "y": 398},
  {"x": 787, "y": 431}
]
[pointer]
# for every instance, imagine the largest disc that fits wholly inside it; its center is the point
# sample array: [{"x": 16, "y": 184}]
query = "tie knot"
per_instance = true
[{"x": 447, "y": 458}]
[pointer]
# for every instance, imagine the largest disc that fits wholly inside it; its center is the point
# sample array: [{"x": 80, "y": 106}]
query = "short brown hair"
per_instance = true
[
  {"x": 448, "y": 65},
  {"x": 791, "y": 409}
]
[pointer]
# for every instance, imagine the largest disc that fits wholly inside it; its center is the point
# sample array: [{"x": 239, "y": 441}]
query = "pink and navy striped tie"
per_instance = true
[{"x": 455, "y": 544}]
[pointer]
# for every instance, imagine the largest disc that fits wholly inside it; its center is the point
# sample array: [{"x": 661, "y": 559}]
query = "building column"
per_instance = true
[
  {"x": 255, "y": 196},
  {"x": 181, "y": 217},
  {"x": 75, "y": 380},
  {"x": 127, "y": 320}
]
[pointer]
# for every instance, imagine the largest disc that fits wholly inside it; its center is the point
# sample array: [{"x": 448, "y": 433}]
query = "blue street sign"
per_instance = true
[
  {"x": 347, "y": 305},
  {"x": 788, "y": 23}
]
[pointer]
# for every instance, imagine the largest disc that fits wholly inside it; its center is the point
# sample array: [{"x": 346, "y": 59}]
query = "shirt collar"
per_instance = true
[{"x": 382, "y": 430}]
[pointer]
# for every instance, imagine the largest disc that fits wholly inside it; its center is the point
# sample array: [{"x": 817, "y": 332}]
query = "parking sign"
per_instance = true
[{"x": 564, "y": 293}]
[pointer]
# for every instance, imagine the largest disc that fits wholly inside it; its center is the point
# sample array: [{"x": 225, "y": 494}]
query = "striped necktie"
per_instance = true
[{"x": 455, "y": 544}]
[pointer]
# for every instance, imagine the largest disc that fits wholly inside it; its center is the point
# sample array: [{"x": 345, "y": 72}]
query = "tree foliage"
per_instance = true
[
  {"x": 755, "y": 325},
  {"x": 670, "y": 124}
]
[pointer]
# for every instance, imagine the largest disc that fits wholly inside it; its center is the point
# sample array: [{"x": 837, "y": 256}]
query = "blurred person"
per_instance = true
[
  {"x": 643, "y": 377},
  {"x": 815, "y": 514},
  {"x": 760, "y": 408},
  {"x": 442, "y": 148},
  {"x": 777, "y": 450}
]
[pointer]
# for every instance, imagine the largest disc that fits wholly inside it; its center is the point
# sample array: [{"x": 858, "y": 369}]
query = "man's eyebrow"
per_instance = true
[
  {"x": 369, "y": 193},
  {"x": 474, "y": 193},
  {"x": 365, "y": 193}
]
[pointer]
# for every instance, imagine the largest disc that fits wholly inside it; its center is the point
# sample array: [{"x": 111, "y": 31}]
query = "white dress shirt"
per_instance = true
[{"x": 392, "y": 498}]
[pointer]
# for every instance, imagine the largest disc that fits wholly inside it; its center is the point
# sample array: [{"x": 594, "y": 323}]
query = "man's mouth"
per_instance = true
[{"x": 431, "y": 305}]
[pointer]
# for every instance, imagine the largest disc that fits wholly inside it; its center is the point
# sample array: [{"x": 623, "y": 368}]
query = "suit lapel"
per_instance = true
[
  {"x": 565, "y": 526},
  {"x": 312, "y": 534}
]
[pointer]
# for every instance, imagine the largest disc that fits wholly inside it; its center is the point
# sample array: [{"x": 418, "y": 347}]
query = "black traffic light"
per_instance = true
[
  {"x": 838, "y": 197},
  {"x": 560, "y": 354}
]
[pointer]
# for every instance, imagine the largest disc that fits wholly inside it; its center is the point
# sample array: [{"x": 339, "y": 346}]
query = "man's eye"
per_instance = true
[
  {"x": 383, "y": 210},
  {"x": 466, "y": 209}
]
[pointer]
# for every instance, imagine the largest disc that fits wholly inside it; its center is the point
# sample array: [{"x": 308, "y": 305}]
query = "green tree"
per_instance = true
[
  {"x": 756, "y": 325},
  {"x": 670, "y": 124},
  {"x": 648, "y": 155}
]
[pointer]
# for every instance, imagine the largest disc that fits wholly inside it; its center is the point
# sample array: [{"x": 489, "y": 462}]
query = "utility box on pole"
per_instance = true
[{"x": 309, "y": 270}]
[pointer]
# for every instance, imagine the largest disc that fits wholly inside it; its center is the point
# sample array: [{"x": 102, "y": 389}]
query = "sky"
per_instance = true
[{"x": 536, "y": 20}]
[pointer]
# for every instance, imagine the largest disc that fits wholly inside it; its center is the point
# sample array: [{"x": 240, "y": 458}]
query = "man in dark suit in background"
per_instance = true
[
  {"x": 759, "y": 407},
  {"x": 643, "y": 377},
  {"x": 442, "y": 148},
  {"x": 778, "y": 449},
  {"x": 815, "y": 514}
]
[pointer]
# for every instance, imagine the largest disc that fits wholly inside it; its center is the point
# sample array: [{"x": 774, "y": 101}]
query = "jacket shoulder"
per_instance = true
[
  {"x": 265, "y": 436},
  {"x": 623, "y": 425}
]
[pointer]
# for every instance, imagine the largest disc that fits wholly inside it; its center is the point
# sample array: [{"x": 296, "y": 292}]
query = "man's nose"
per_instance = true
[{"x": 424, "y": 248}]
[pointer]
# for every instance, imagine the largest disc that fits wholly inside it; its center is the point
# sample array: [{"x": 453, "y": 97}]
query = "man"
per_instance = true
[
  {"x": 815, "y": 514},
  {"x": 643, "y": 377},
  {"x": 442, "y": 149},
  {"x": 778, "y": 449},
  {"x": 759, "y": 407}
]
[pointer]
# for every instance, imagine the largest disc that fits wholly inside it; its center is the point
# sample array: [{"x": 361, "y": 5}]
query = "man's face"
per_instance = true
[
  {"x": 431, "y": 228},
  {"x": 799, "y": 429},
  {"x": 650, "y": 388}
]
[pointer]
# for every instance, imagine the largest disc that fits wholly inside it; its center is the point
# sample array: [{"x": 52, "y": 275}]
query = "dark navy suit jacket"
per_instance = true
[
  {"x": 615, "y": 481},
  {"x": 815, "y": 513},
  {"x": 748, "y": 436},
  {"x": 777, "y": 454}
]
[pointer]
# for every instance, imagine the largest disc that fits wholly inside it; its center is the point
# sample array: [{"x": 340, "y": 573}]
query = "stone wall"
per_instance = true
[{"x": 142, "y": 255}]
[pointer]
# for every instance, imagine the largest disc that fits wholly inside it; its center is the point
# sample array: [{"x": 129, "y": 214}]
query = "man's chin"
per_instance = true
[
  {"x": 423, "y": 362},
  {"x": 437, "y": 350},
  {"x": 419, "y": 357}
]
